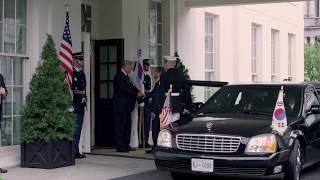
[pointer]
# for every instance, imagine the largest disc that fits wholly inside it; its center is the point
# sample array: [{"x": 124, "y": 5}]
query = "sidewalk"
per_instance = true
[{"x": 91, "y": 168}]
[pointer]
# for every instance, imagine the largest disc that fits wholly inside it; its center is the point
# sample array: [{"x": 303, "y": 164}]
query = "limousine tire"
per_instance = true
[{"x": 295, "y": 163}]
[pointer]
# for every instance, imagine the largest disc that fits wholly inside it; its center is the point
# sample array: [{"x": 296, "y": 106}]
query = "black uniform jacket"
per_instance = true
[
  {"x": 79, "y": 91},
  {"x": 179, "y": 85}
]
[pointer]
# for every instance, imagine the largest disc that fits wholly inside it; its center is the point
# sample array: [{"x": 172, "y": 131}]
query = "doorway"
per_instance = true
[{"x": 109, "y": 54}]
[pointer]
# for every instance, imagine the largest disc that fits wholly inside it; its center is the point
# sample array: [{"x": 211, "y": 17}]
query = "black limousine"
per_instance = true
[{"x": 231, "y": 134}]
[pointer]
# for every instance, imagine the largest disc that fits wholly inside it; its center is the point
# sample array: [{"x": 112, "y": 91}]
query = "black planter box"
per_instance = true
[{"x": 47, "y": 155}]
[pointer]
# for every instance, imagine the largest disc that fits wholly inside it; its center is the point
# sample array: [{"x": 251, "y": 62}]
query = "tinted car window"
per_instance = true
[
  {"x": 254, "y": 99},
  {"x": 311, "y": 100}
]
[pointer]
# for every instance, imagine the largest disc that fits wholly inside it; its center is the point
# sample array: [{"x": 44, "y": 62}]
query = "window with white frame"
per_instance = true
[
  {"x": 291, "y": 55},
  {"x": 210, "y": 51},
  {"x": 255, "y": 52},
  {"x": 155, "y": 30},
  {"x": 274, "y": 54},
  {"x": 13, "y": 52}
]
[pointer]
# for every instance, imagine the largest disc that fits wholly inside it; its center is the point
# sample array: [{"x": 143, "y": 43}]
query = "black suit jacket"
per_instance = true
[
  {"x": 124, "y": 94},
  {"x": 155, "y": 103},
  {"x": 2, "y": 84}
]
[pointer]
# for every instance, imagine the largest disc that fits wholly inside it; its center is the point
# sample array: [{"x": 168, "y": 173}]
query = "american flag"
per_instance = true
[
  {"x": 165, "y": 113},
  {"x": 65, "y": 53}
]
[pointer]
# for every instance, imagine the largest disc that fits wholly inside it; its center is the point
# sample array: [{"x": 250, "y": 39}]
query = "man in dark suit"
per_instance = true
[
  {"x": 155, "y": 107},
  {"x": 124, "y": 98},
  {"x": 3, "y": 94}
]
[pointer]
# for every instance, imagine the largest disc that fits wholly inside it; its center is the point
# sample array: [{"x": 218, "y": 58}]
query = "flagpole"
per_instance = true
[{"x": 67, "y": 6}]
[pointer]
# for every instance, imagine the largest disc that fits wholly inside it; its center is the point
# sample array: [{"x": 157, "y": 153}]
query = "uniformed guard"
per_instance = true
[
  {"x": 180, "y": 96},
  {"x": 147, "y": 108},
  {"x": 79, "y": 98}
]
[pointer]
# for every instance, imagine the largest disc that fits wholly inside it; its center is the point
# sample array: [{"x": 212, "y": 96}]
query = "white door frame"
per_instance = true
[{"x": 86, "y": 128}]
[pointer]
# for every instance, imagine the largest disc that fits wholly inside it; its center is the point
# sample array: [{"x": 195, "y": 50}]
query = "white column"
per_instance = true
[{"x": 86, "y": 129}]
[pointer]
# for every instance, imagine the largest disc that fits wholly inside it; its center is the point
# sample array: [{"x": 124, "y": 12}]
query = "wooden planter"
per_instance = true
[{"x": 47, "y": 155}]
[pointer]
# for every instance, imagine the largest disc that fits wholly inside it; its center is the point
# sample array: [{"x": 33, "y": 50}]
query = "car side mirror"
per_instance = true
[{"x": 315, "y": 109}]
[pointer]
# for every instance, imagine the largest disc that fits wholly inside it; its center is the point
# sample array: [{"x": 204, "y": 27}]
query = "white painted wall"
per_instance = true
[
  {"x": 131, "y": 11},
  {"x": 107, "y": 19},
  {"x": 234, "y": 39},
  {"x": 48, "y": 17}
]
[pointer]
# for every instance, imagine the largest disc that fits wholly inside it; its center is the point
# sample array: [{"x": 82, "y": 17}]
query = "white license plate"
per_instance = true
[{"x": 202, "y": 165}]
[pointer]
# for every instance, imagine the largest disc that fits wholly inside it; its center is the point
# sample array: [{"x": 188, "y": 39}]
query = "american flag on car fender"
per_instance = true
[{"x": 166, "y": 112}]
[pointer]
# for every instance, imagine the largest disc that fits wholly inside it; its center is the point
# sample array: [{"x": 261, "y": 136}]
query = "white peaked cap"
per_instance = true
[{"x": 170, "y": 58}]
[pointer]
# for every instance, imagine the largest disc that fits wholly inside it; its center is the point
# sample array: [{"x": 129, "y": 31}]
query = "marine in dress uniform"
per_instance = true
[
  {"x": 79, "y": 99},
  {"x": 147, "y": 107},
  {"x": 180, "y": 96}
]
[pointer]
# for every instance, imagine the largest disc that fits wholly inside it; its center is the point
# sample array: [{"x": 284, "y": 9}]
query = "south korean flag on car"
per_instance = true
[{"x": 279, "y": 118}]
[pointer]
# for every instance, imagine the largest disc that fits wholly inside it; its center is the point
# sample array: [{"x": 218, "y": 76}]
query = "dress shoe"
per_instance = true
[
  {"x": 147, "y": 146},
  {"x": 79, "y": 156},
  {"x": 150, "y": 151},
  {"x": 122, "y": 150},
  {"x": 129, "y": 148}
]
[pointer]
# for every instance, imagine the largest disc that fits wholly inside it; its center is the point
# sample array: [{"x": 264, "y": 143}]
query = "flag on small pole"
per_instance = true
[
  {"x": 279, "y": 117},
  {"x": 65, "y": 53},
  {"x": 137, "y": 77},
  {"x": 166, "y": 112},
  {"x": 138, "y": 72}
]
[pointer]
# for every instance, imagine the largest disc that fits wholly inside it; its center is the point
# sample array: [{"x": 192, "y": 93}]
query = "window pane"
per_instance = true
[
  {"x": 103, "y": 90},
  {"x": 104, "y": 54},
  {"x": 18, "y": 71},
  {"x": 21, "y": 40},
  {"x": 16, "y": 130},
  {"x": 111, "y": 90},
  {"x": 112, "y": 54},
  {"x": 22, "y": 12},
  {"x": 159, "y": 12},
  {"x": 153, "y": 8},
  {"x": 9, "y": 6},
  {"x": 159, "y": 55},
  {"x": 9, "y": 38},
  {"x": 17, "y": 100},
  {"x": 7, "y": 103},
  {"x": 159, "y": 33},
  {"x": 153, "y": 55},
  {"x": 153, "y": 32},
  {"x": 6, "y": 70},
  {"x": 88, "y": 26},
  {"x": 6, "y": 134},
  {"x": 112, "y": 71},
  {"x": 207, "y": 44},
  {"x": 103, "y": 72}
]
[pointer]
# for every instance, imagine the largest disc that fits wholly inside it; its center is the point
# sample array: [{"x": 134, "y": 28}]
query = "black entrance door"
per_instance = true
[{"x": 108, "y": 58}]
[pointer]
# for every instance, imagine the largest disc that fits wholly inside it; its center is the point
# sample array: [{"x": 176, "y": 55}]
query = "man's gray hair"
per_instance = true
[{"x": 127, "y": 62}]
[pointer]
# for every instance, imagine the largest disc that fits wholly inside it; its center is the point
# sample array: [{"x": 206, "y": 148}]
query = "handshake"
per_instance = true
[
  {"x": 2, "y": 91},
  {"x": 140, "y": 95}
]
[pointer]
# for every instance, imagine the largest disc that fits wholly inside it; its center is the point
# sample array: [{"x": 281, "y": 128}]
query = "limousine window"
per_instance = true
[{"x": 253, "y": 100}]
